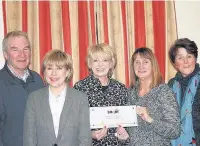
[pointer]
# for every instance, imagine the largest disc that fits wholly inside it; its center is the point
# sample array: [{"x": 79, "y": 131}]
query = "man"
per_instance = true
[{"x": 16, "y": 82}]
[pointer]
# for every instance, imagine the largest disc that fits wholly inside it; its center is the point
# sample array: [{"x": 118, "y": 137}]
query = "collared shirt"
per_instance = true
[
  {"x": 26, "y": 74},
  {"x": 56, "y": 105}
]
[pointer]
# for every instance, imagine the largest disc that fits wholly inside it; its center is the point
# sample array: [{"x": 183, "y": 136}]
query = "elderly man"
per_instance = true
[{"x": 16, "y": 82}]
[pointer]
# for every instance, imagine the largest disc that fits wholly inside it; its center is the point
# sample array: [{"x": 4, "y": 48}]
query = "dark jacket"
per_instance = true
[
  {"x": 196, "y": 104},
  {"x": 115, "y": 94},
  {"x": 13, "y": 96}
]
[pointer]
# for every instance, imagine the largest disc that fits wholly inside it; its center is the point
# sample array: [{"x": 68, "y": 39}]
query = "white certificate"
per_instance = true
[{"x": 113, "y": 116}]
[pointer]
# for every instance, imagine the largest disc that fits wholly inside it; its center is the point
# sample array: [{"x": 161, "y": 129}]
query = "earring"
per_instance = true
[{"x": 90, "y": 71}]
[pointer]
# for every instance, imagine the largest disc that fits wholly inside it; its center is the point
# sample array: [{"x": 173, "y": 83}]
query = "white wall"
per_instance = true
[
  {"x": 1, "y": 36},
  {"x": 188, "y": 21}
]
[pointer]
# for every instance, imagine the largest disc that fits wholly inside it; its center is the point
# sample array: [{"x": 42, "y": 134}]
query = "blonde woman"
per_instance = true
[
  {"x": 102, "y": 90},
  {"x": 57, "y": 115}
]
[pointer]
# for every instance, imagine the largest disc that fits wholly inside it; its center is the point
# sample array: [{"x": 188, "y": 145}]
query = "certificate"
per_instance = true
[{"x": 113, "y": 116}]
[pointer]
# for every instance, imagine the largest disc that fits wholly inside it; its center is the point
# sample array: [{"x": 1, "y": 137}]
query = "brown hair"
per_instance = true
[
  {"x": 14, "y": 34},
  {"x": 187, "y": 44},
  {"x": 148, "y": 54}
]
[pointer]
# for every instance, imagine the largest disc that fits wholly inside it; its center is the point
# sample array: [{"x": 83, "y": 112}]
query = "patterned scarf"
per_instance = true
[{"x": 187, "y": 137}]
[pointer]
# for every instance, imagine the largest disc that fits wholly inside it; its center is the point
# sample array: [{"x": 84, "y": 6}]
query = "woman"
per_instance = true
[
  {"x": 157, "y": 109},
  {"x": 57, "y": 115},
  {"x": 183, "y": 55},
  {"x": 102, "y": 90}
]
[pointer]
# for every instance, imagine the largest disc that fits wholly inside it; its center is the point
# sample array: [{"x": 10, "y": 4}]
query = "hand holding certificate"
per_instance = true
[{"x": 113, "y": 116}]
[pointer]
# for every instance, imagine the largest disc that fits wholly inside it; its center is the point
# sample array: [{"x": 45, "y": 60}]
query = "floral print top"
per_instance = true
[{"x": 114, "y": 94}]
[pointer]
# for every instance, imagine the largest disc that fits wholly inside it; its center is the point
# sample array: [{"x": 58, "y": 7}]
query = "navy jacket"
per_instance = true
[{"x": 13, "y": 95}]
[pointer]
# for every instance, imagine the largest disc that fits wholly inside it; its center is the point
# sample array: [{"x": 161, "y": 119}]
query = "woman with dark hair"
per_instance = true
[
  {"x": 157, "y": 109},
  {"x": 183, "y": 55}
]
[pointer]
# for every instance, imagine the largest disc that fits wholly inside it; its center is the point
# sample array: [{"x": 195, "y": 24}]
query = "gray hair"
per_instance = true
[{"x": 14, "y": 34}]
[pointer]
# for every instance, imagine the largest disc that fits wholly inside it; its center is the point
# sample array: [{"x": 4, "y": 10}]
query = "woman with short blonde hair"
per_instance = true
[
  {"x": 61, "y": 60},
  {"x": 57, "y": 114},
  {"x": 103, "y": 90},
  {"x": 104, "y": 51}
]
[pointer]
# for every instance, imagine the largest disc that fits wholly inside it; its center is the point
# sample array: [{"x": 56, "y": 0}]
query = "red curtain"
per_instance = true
[{"x": 124, "y": 25}]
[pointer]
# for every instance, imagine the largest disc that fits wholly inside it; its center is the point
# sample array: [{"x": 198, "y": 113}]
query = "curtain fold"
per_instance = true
[
  {"x": 72, "y": 26},
  {"x": 83, "y": 36},
  {"x": 139, "y": 20},
  {"x": 159, "y": 35},
  {"x": 171, "y": 36}
]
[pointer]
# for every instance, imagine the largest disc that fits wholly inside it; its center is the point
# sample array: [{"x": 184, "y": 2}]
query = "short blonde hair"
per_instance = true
[
  {"x": 148, "y": 54},
  {"x": 14, "y": 34},
  {"x": 60, "y": 59},
  {"x": 103, "y": 50}
]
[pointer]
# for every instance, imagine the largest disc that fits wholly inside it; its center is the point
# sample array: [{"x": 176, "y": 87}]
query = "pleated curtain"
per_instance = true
[{"x": 72, "y": 26}]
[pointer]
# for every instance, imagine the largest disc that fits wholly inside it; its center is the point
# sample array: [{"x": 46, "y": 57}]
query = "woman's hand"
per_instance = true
[
  {"x": 122, "y": 133},
  {"x": 143, "y": 113},
  {"x": 99, "y": 134}
]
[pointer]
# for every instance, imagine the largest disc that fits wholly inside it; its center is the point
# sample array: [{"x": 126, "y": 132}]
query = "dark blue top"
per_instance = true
[{"x": 13, "y": 96}]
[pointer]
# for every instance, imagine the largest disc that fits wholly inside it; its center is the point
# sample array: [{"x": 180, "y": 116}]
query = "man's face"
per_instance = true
[{"x": 18, "y": 54}]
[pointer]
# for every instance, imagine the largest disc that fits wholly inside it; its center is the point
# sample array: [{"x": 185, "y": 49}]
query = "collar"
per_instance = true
[
  {"x": 25, "y": 76},
  {"x": 62, "y": 93},
  {"x": 97, "y": 81}
]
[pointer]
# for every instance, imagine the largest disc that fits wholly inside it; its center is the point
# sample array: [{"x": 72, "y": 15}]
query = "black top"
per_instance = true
[{"x": 114, "y": 94}]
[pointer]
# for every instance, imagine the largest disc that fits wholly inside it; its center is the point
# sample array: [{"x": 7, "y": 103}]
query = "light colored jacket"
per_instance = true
[{"x": 74, "y": 128}]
